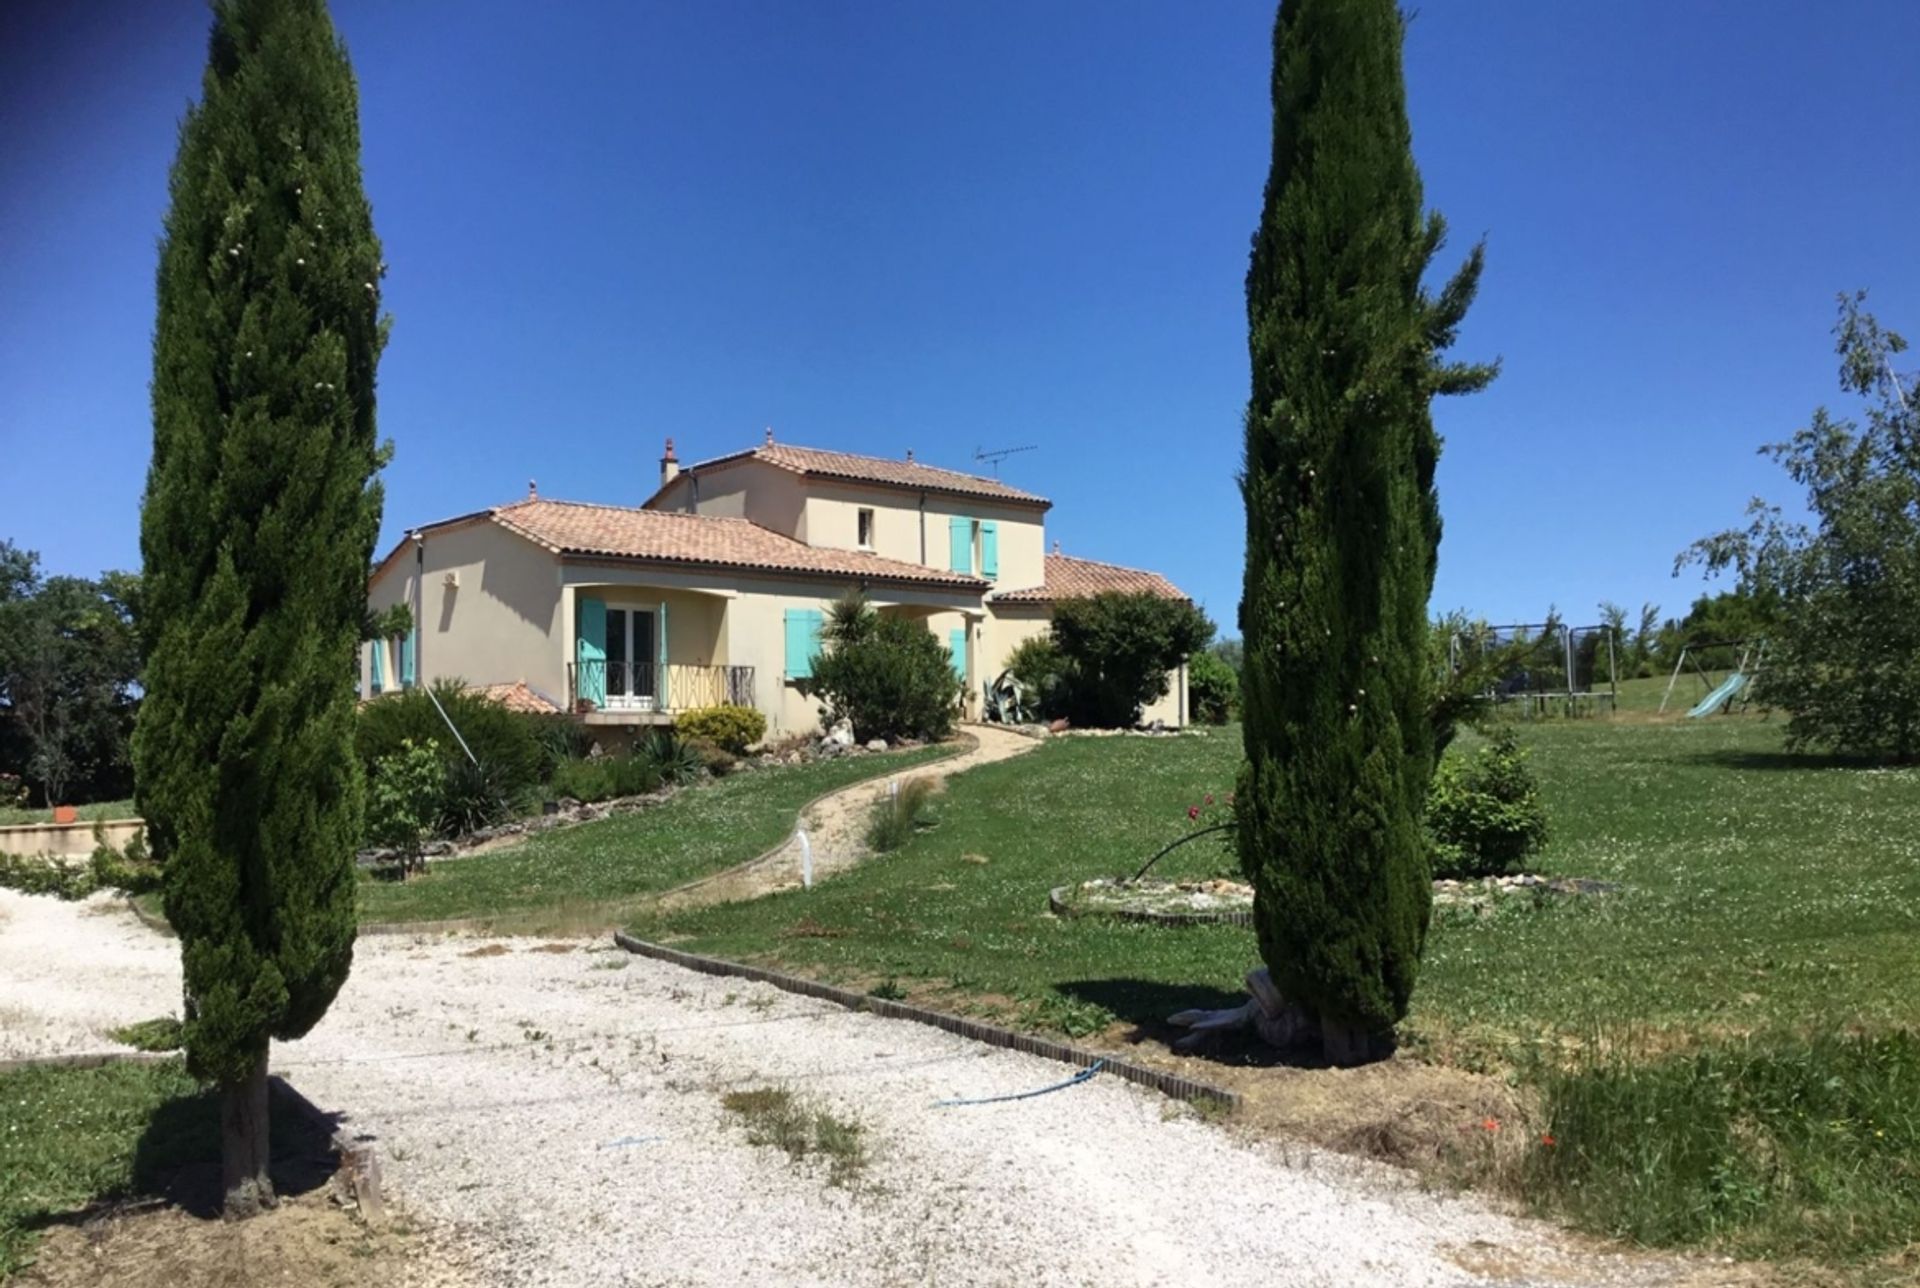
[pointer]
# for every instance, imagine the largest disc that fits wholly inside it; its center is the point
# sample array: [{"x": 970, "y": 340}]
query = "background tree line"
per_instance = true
[{"x": 69, "y": 680}]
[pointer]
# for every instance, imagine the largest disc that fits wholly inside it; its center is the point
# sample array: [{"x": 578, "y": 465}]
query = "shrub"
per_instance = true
[
  {"x": 472, "y": 796},
  {"x": 163, "y": 1034},
  {"x": 671, "y": 757},
  {"x": 1042, "y": 671},
  {"x": 605, "y": 778},
  {"x": 1484, "y": 811},
  {"x": 717, "y": 760},
  {"x": 560, "y": 739},
  {"x": 1120, "y": 648},
  {"x": 1213, "y": 689},
  {"x": 403, "y": 799},
  {"x": 132, "y": 870},
  {"x": 35, "y": 874},
  {"x": 897, "y": 815},
  {"x": 516, "y": 745},
  {"x": 888, "y": 676},
  {"x": 727, "y": 727}
]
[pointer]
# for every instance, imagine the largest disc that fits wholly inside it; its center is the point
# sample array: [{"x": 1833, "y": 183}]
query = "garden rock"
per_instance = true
[
  {"x": 840, "y": 735},
  {"x": 878, "y": 744}
]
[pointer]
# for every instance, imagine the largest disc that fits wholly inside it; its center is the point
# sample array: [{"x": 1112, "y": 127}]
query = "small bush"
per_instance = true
[
  {"x": 605, "y": 778},
  {"x": 133, "y": 870},
  {"x": 775, "y": 1116},
  {"x": 888, "y": 676},
  {"x": 163, "y": 1034},
  {"x": 898, "y": 815},
  {"x": 516, "y": 745},
  {"x": 671, "y": 757},
  {"x": 1213, "y": 689},
  {"x": 472, "y": 797},
  {"x": 1484, "y": 811},
  {"x": 560, "y": 739},
  {"x": 1041, "y": 668},
  {"x": 35, "y": 874},
  {"x": 1772, "y": 1147},
  {"x": 717, "y": 760},
  {"x": 403, "y": 799},
  {"x": 729, "y": 728}
]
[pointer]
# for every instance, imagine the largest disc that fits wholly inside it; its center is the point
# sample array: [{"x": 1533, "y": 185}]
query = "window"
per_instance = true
[{"x": 865, "y": 523}]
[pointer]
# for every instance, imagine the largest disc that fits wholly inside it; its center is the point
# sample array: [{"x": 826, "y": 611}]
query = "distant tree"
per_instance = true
[
  {"x": 1343, "y": 526},
  {"x": 1646, "y": 637},
  {"x": 1120, "y": 648},
  {"x": 1213, "y": 688},
  {"x": 257, "y": 530},
  {"x": 69, "y": 664},
  {"x": 1843, "y": 654},
  {"x": 1231, "y": 652}
]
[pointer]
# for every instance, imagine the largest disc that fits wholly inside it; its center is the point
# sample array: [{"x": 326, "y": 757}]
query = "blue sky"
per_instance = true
[{"x": 879, "y": 226}]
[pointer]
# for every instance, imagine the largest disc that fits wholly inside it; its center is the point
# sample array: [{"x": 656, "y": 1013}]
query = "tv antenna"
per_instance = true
[{"x": 999, "y": 454}]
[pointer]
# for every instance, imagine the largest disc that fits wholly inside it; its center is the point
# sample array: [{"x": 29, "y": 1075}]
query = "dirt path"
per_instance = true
[
  {"x": 836, "y": 826},
  {"x": 552, "y": 1114}
]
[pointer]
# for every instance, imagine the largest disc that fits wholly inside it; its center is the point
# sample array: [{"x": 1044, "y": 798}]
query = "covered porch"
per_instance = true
[{"x": 640, "y": 654}]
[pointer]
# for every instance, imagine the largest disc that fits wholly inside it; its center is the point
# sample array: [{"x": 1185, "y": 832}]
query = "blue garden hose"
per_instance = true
[{"x": 1074, "y": 1081}]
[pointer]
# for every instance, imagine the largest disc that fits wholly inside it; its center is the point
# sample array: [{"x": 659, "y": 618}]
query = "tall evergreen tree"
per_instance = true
[
  {"x": 257, "y": 531},
  {"x": 1343, "y": 526}
]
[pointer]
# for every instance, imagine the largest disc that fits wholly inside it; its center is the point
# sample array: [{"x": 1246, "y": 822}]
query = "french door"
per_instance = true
[{"x": 631, "y": 682}]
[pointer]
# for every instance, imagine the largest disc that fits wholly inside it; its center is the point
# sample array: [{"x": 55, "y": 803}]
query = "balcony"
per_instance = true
[{"x": 610, "y": 692}]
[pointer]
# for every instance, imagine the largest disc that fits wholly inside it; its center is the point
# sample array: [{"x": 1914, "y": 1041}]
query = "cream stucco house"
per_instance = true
[{"x": 714, "y": 590}]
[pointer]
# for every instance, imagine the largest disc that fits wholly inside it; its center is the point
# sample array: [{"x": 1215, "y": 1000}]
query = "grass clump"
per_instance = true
[
  {"x": 899, "y": 814},
  {"x": 74, "y": 1136},
  {"x": 1777, "y": 1147},
  {"x": 775, "y": 1116},
  {"x": 163, "y": 1033}
]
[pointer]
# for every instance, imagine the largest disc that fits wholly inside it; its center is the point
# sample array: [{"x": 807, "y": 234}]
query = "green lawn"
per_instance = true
[
  {"x": 75, "y": 1135},
  {"x": 556, "y": 874},
  {"x": 10, "y": 817},
  {"x": 1759, "y": 890}
]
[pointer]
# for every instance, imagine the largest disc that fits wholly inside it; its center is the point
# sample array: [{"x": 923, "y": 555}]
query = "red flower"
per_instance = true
[
  {"x": 1548, "y": 1141},
  {"x": 1489, "y": 1124},
  {"x": 1193, "y": 811}
]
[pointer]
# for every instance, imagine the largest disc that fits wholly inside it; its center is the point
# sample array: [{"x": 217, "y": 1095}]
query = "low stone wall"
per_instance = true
[{"x": 67, "y": 840}]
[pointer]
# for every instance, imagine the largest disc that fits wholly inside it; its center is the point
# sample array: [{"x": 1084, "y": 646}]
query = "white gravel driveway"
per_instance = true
[{"x": 555, "y": 1118}]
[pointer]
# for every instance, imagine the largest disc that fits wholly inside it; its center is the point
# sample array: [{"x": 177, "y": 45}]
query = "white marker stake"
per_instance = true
[
  {"x": 806, "y": 861},
  {"x": 893, "y": 789}
]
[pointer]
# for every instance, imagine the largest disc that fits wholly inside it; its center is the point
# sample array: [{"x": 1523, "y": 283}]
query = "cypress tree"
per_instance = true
[
  {"x": 257, "y": 531},
  {"x": 1343, "y": 526}
]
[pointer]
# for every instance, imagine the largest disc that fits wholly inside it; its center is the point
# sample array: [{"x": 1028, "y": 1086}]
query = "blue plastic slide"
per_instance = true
[{"x": 1729, "y": 690}]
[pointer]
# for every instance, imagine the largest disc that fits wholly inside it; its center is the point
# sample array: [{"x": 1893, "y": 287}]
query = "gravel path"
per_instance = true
[
  {"x": 552, "y": 1113},
  {"x": 836, "y": 827}
]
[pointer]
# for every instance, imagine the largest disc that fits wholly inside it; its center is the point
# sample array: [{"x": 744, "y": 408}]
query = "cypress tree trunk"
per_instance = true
[
  {"x": 1342, "y": 527},
  {"x": 257, "y": 533}
]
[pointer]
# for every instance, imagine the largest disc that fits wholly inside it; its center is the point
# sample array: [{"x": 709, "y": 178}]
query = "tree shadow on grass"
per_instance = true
[
  {"x": 1773, "y": 761},
  {"x": 177, "y": 1159},
  {"x": 1145, "y": 1005}
]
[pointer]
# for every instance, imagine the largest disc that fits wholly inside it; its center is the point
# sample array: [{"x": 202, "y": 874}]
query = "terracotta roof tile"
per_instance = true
[
  {"x": 1070, "y": 578},
  {"x": 813, "y": 461},
  {"x": 518, "y": 696},
  {"x": 571, "y": 527}
]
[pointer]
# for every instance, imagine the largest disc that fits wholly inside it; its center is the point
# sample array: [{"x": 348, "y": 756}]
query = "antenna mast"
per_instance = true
[{"x": 999, "y": 454}]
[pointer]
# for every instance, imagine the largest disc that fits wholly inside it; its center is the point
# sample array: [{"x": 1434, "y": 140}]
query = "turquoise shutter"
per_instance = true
[
  {"x": 803, "y": 641},
  {"x": 960, "y": 544},
  {"x": 660, "y": 683},
  {"x": 379, "y": 651},
  {"x": 989, "y": 550},
  {"x": 406, "y": 660},
  {"x": 590, "y": 652},
  {"x": 957, "y": 646}
]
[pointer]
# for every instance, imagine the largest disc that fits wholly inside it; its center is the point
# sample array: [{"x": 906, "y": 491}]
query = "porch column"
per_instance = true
[{"x": 569, "y": 617}]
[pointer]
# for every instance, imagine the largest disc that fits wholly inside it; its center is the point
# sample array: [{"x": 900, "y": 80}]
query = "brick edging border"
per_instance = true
[
  {"x": 1168, "y": 1084},
  {"x": 1059, "y": 907}
]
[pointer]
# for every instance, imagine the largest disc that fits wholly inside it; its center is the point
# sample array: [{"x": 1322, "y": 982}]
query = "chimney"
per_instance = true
[
  {"x": 533, "y": 490},
  {"x": 669, "y": 465},
  {"x": 909, "y": 456},
  {"x": 1056, "y": 545},
  {"x": 769, "y": 436}
]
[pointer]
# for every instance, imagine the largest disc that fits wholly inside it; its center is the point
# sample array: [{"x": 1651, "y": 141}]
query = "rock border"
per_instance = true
[
  {"x": 1168, "y": 1084},
  {"x": 1059, "y": 907}
]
